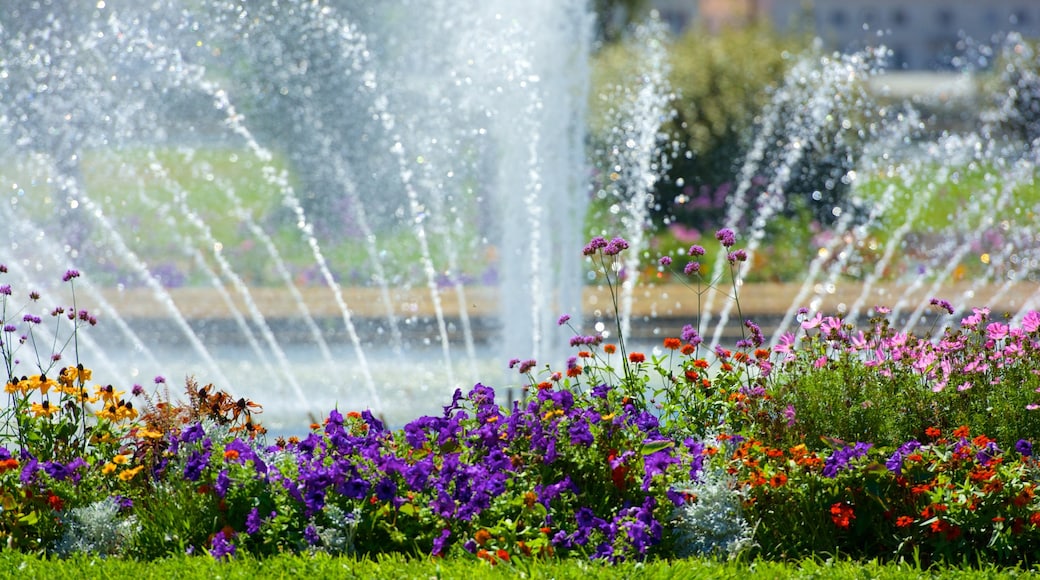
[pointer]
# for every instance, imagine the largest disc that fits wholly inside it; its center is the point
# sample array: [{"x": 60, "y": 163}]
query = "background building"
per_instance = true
[{"x": 922, "y": 34}]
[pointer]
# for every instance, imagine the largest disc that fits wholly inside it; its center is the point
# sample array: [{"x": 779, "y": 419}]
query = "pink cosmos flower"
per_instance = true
[
  {"x": 1031, "y": 321},
  {"x": 813, "y": 322},
  {"x": 997, "y": 330}
]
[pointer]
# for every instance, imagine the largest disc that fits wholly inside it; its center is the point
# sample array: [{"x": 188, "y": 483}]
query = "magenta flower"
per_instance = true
[
  {"x": 615, "y": 247},
  {"x": 1031, "y": 321},
  {"x": 726, "y": 237},
  {"x": 665, "y": 261}
]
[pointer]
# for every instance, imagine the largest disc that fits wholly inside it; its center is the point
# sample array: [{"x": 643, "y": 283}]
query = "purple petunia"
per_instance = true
[
  {"x": 220, "y": 548},
  {"x": 839, "y": 460},
  {"x": 1024, "y": 447}
]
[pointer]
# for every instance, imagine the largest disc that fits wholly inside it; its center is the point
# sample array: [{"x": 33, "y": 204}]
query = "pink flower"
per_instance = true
[
  {"x": 1031, "y": 321},
  {"x": 997, "y": 331},
  {"x": 820, "y": 362},
  {"x": 813, "y": 322}
]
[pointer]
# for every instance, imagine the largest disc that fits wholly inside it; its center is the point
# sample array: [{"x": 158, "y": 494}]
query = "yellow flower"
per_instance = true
[
  {"x": 109, "y": 467},
  {"x": 15, "y": 387},
  {"x": 120, "y": 459},
  {"x": 44, "y": 409},
  {"x": 128, "y": 474},
  {"x": 108, "y": 393},
  {"x": 149, "y": 434},
  {"x": 41, "y": 383}
]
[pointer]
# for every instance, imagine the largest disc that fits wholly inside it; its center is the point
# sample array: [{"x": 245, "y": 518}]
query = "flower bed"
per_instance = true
[{"x": 872, "y": 443}]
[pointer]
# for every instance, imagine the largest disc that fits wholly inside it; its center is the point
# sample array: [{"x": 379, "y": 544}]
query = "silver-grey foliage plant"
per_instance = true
[
  {"x": 711, "y": 522},
  {"x": 95, "y": 529}
]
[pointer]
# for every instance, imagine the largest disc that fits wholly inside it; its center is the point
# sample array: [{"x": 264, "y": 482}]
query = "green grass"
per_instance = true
[{"x": 15, "y": 565}]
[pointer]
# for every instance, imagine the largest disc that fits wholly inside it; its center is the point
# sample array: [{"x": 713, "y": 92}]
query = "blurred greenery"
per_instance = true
[{"x": 721, "y": 83}]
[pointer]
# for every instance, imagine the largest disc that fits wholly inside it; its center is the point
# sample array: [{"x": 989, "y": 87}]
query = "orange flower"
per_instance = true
[
  {"x": 932, "y": 432},
  {"x": 904, "y": 521},
  {"x": 688, "y": 349},
  {"x": 636, "y": 357},
  {"x": 701, "y": 363},
  {"x": 482, "y": 536},
  {"x": 230, "y": 454},
  {"x": 672, "y": 343},
  {"x": 961, "y": 432},
  {"x": 502, "y": 555},
  {"x": 485, "y": 555},
  {"x": 584, "y": 354},
  {"x": 574, "y": 371},
  {"x": 609, "y": 349},
  {"x": 7, "y": 464},
  {"x": 777, "y": 480}
]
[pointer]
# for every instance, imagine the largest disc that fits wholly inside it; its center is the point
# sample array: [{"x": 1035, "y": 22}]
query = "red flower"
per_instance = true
[
  {"x": 932, "y": 432},
  {"x": 636, "y": 357},
  {"x": 672, "y": 343},
  {"x": 842, "y": 515},
  {"x": 904, "y": 521},
  {"x": 55, "y": 502}
]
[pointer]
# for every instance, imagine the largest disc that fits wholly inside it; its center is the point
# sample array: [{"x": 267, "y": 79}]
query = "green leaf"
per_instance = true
[{"x": 655, "y": 446}]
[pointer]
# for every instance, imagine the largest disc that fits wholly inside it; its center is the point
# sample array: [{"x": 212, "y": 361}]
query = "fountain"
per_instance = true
[{"x": 367, "y": 205}]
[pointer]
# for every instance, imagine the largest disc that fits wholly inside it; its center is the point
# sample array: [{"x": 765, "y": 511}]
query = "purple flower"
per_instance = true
[
  {"x": 5, "y": 289},
  {"x": 737, "y": 256},
  {"x": 137, "y": 391},
  {"x": 526, "y": 366},
  {"x": 726, "y": 237},
  {"x": 311, "y": 535},
  {"x": 839, "y": 460},
  {"x": 29, "y": 470},
  {"x": 1024, "y": 447},
  {"x": 220, "y": 487},
  {"x": 895, "y": 462},
  {"x": 60, "y": 472},
  {"x": 440, "y": 543},
  {"x": 690, "y": 335},
  {"x": 988, "y": 453},
  {"x": 696, "y": 250},
  {"x": 253, "y": 521},
  {"x": 197, "y": 462},
  {"x": 692, "y": 268},
  {"x": 386, "y": 489},
  {"x": 665, "y": 261},
  {"x": 159, "y": 380},
  {"x": 615, "y": 247},
  {"x": 580, "y": 434},
  {"x": 193, "y": 433},
  {"x": 942, "y": 304},
  {"x": 69, "y": 275},
  {"x": 220, "y": 548},
  {"x": 594, "y": 244},
  {"x": 563, "y": 320}
]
